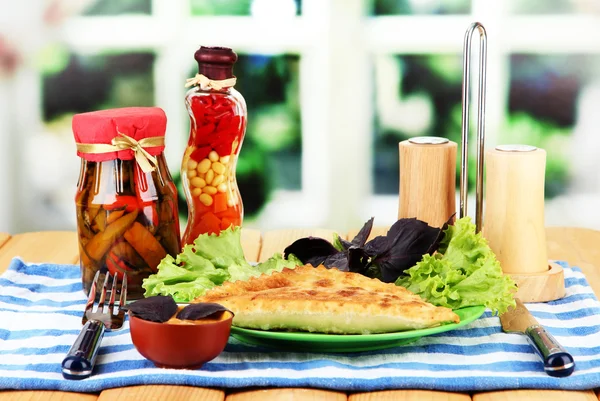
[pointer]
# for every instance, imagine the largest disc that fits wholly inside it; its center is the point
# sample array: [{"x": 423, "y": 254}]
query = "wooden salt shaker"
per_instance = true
[
  {"x": 514, "y": 220},
  {"x": 427, "y": 179}
]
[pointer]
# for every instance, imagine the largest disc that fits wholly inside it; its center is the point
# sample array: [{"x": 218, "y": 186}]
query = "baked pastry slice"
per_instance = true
[{"x": 317, "y": 299}]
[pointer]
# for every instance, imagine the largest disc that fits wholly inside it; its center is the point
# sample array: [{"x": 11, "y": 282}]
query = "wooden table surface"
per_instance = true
[{"x": 577, "y": 246}]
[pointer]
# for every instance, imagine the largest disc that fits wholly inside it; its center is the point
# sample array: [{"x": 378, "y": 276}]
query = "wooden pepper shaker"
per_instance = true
[
  {"x": 427, "y": 179},
  {"x": 514, "y": 209}
]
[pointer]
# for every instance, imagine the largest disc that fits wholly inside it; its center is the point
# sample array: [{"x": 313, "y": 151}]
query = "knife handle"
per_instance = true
[
  {"x": 79, "y": 362},
  {"x": 557, "y": 361}
]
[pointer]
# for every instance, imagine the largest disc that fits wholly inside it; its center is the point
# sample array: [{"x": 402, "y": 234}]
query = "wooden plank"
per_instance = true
[
  {"x": 409, "y": 395},
  {"x": 251, "y": 243},
  {"x": 287, "y": 394},
  {"x": 42, "y": 395},
  {"x": 4, "y": 237},
  {"x": 277, "y": 240},
  {"x": 574, "y": 245},
  {"x": 161, "y": 392},
  {"x": 586, "y": 242},
  {"x": 536, "y": 395},
  {"x": 579, "y": 247},
  {"x": 38, "y": 247}
]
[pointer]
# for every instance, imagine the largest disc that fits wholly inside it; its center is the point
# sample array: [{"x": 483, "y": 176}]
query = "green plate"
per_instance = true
[{"x": 316, "y": 342}]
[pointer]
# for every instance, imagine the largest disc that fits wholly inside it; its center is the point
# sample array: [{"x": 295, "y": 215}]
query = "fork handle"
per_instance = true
[{"x": 79, "y": 362}]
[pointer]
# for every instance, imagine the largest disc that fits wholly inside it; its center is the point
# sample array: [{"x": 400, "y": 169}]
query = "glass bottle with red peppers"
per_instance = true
[{"x": 217, "y": 127}]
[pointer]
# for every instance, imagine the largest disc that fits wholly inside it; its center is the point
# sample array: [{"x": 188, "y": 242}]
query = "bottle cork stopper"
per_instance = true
[
  {"x": 427, "y": 179},
  {"x": 215, "y": 62},
  {"x": 514, "y": 208}
]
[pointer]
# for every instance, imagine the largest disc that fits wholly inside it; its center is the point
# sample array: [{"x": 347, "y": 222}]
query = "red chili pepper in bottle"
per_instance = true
[
  {"x": 218, "y": 124},
  {"x": 123, "y": 202}
]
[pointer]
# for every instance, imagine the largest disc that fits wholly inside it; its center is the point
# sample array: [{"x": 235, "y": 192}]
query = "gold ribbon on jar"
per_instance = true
[
  {"x": 145, "y": 160},
  {"x": 207, "y": 83}
]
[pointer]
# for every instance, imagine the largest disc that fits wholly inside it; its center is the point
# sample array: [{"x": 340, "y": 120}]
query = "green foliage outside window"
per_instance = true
[
  {"x": 119, "y": 7},
  {"x": 439, "y": 78},
  {"x": 227, "y": 7}
]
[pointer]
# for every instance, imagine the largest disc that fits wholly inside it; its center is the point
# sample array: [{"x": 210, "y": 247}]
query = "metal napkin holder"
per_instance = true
[
  {"x": 535, "y": 287},
  {"x": 464, "y": 165}
]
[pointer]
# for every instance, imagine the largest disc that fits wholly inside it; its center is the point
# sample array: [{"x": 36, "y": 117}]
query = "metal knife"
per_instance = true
[{"x": 557, "y": 361}]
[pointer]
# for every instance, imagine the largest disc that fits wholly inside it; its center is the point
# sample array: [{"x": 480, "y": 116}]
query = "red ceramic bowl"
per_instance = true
[{"x": 179, "y": 346}]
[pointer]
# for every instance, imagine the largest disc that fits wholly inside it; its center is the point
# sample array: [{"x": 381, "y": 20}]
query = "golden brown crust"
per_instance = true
[{"x": 325, "y": 300}]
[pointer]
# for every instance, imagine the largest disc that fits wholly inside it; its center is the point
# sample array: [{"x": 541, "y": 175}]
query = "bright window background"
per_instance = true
[{"x": 332, "y": 86}]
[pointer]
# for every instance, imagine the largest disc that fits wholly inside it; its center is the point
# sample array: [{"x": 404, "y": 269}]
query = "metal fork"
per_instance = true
[{"x": 79, "y": 362}]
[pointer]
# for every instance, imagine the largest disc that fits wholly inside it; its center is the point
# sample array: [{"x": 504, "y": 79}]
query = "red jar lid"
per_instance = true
[{"x": 101, "y": 127}]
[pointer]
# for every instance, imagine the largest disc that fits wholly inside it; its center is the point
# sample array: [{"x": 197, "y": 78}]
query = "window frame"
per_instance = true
[{"x": 336, "y": 41}]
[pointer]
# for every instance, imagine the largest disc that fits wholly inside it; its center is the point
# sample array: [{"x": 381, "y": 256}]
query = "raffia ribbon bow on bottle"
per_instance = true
[
  {"x": 207, "y": 83},
  {"x": 145, "y": 160}
]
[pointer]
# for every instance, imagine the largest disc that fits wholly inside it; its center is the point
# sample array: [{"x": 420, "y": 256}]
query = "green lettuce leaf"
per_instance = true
[
  {"x": 337, "y": 242},
  {"x": 242, "y": 272},
  {"x": 201, "y": 265},
  {"x": 182, "y": 292},
  {"x": 464, "y": 272},
  {"x": 277, "y": 263},
  {"x": 222, "y": 250},
  {"x": 182, "y": 283},
  {"x": 209, "y": 261}
]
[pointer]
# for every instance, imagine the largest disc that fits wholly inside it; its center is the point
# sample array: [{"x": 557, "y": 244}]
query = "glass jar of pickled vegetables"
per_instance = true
[
  {"x": 218, "y": 124},
  {"x": 126, "y": 201}
]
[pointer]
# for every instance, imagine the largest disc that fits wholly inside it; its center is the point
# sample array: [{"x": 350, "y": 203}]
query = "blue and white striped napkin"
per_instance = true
[{"x": 40, "y": 317}]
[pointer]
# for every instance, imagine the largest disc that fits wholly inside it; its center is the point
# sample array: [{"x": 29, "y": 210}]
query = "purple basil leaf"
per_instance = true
[
  {"x": 357, "y": 260},
  {"x": 403, "y": 246},
  {"x": 403, "y": 226},
  {"x": 200, "y": 311},
  {"x": 345, "y": 244},
  {"x": 311, "y": 248},
  {"x": 317, "y": 260},
  {"x": 392, "y": 265},
  {"x": 377, "y": 246},
  {"x": 159, "y": 308},
  {"x": 338, "y": 261},
  {"x": 436, "y": 244},
  {"x": 361, "y": 238}
]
